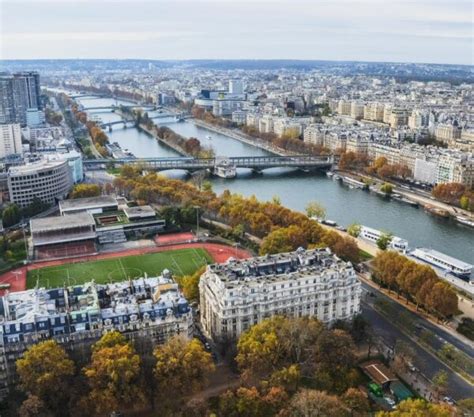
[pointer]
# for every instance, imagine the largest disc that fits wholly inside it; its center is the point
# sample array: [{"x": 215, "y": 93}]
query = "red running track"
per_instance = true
[{"x": 219, "y": 252}]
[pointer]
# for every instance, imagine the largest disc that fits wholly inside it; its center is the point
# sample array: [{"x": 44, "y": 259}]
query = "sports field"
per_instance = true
[{"x": 179, "y": 262}]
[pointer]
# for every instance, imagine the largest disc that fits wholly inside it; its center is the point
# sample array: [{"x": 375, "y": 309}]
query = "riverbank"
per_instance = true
[
  {"x": 173, "y": 146},
  {"x": 243, "y": 138},
  {"x": 422, "y": 198}
]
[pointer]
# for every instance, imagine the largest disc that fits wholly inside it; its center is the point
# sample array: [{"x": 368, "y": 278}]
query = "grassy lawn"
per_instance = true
[{"x": 179, "y": 262}]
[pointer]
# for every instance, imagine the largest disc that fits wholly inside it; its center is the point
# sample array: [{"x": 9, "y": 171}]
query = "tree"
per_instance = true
[
  {"x": 284, "y": 239},
  {"x": 440, "y": 383},
  {"x": 11, "y": 215},
  {"x": 354, "y": 229},
  {"x": 356, "y": 401},
  {"x": 442, "y": 299},
  {"x": 386, "y": 188},
  {"x": 182, "y": 367},
  {"x": 190, "y": 284},
  {"x": 450, "y": 192},
  {"x": 85, "y": 190},
  {"x": 418, "y": 408},
  {"x": 314, "y": 209},
  {"x": 33, "y": 406},
  {"x": 334, "y": 361},
  {"x": 384, "y": 240},
  {"x": 43, "y": 368},
  {"x": 113, "y": 375},
  {"x": 250, "y": 402},
  {"x": 466, "y": 407},
  {"x": 312, "y": 403}
]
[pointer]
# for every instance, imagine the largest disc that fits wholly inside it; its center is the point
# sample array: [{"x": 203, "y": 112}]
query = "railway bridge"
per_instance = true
[{"x": 220, "y": 166}]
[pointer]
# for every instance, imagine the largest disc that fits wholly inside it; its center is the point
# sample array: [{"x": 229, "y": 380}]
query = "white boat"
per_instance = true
[
  {"x": 465, "y": 221},
  {"x": 373, "y": 235},
  {"x": 224, "y": 168},
  {"x": 329, "y": 174},
  {"x": 445, "y": 262},
  {"x": 209, "y": 137}
]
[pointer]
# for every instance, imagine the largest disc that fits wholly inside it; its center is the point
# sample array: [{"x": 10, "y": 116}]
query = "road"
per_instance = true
[{"x": 429, "y": 365}]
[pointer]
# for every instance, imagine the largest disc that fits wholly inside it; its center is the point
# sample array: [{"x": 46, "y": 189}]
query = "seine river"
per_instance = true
[{"x": 295, "y": 189}]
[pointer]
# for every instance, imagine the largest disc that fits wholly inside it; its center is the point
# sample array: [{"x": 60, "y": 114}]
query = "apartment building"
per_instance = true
[
  {"x": 315, "y": 283},
  {"x": 10, "y": 140},
  {"x": 149, "y": 308},
  {"x": 447, "y": 132}
]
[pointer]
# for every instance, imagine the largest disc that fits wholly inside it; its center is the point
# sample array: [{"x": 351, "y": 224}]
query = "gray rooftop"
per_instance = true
[
  {"x": 87, "y": 203},
  {"x": 140, "y": 211},
  {"x": 61, "y": 222}
]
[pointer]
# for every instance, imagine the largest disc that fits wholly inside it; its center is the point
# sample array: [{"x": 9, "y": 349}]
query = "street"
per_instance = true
[{"x": 428, "y": 364}]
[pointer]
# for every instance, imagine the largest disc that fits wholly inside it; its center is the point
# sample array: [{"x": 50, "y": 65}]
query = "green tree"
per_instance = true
[
  {"x": 43, "y": 368},
  {"x": 11, "y": 215},
  {"x": 440, "y": 383},
  {"x": 387, "y": 188},
  {"x": 384, "y": 240},
  {"x": 314, "y": 209},
  {"x": 354, "y": 229}
]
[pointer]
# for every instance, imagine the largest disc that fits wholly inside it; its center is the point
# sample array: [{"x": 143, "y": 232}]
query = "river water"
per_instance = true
[{"x": 296, "y": 189}]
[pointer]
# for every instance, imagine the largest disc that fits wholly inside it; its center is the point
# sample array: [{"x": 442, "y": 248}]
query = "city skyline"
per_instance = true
[{"x": 402, "y": 31}]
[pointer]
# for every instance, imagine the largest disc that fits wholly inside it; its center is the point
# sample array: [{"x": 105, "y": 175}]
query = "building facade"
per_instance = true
[
  {"x": 152, "y": 308},
  {"x": 239, "y": 294},
  {"x": 47, "y": 180},
  {"x": 18, "y": 93},
  {"x": 10, "y": 140}
]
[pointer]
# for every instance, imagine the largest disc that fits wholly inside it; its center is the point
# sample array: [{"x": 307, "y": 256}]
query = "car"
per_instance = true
[
  {"x": 412, "y": 368},
  {"x": 449, "y": 400},
  {"x": 207, "y": 346}
]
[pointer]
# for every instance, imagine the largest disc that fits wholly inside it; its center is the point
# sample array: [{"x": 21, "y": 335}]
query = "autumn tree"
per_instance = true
[
  {"x": 450, "y": 192},
  {"x": 314, "y": 209},
  {"x": 356, "y": 401},
  {"x": 43, "y": 368},
  {"x": 182, "y": 368},
  {"x": 113, "y": 375},
  {"x": 252, "y": 402},
  {"x": 190, "y": 284},
  {"x": 284, "y": 239},
  {"x": 85, "y": 190},
  {"x": 418, "y": 407},
  {"x": 316, "y": 404}
]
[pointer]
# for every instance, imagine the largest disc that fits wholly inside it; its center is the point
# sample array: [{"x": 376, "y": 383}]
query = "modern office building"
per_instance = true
[
  {"x": 47, "y": 180},
  {"x": 10, "y": 140},
  {"x": 240, "y": 293},
  {"x": 148, "y": 308},
  {"x": 18, "y": 93}
]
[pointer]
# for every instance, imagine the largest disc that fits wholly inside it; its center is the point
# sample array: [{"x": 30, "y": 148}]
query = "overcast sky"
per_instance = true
[{"x": 438, "y": 31}]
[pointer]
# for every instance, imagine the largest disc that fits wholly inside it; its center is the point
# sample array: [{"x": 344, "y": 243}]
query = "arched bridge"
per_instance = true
[
  {"x": 117, "y": 122},
  {"x": 220, "y": 165}
]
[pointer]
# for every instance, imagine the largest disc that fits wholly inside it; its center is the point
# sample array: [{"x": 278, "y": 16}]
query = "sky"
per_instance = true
[{"x": 431, "y": 31}]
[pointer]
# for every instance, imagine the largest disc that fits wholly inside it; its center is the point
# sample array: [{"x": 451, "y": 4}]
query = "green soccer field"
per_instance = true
[{"x": 179, "y": 262}]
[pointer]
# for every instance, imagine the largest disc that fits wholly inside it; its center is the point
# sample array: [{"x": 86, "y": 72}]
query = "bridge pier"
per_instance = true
[{"x": 257, "y": 171}]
